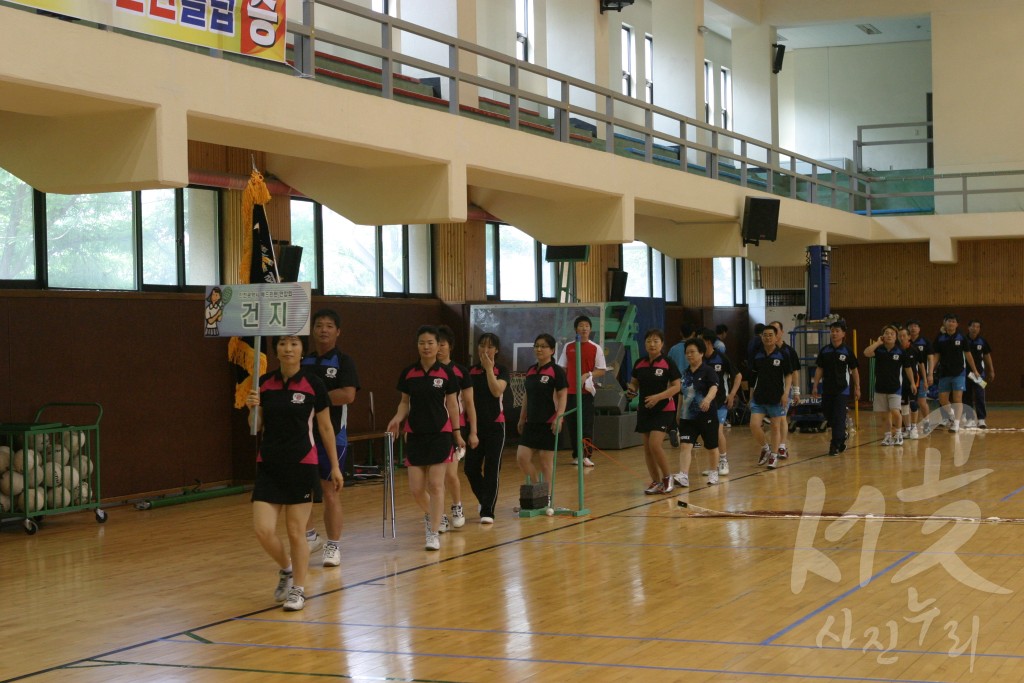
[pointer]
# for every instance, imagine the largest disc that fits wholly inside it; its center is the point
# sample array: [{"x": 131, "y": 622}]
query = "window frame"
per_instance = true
[
  {"x": 628, "y": 60},
  {"x": 709, "y": 92},
  {"x": 649, "y": 68},
  {"x": 726, "y": 97}
]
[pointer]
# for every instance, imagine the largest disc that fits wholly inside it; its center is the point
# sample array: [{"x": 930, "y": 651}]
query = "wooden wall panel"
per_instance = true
[
  {"x": 592, "y": 281},
  {"x": 988, "y": 272},
  {"x": 460, "y": 265},
  {"x": 783, "y": 277},
  {"x": 696, "y": 282}
]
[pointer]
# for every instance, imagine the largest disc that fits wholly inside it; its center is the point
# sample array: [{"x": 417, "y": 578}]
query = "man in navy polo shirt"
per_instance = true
[
  {"x": 837, "y": 372},
  {"x": 975, "y": 393},
  {"x": 338, "y": 373},
  {"x": 768, "y": 397},
  {"x": 950, "y": 353}
]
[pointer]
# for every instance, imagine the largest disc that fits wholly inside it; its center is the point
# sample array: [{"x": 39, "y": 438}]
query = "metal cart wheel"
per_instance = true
[
  {"x": 31, "y": 527},
  {"x": 101, "y": 516}
]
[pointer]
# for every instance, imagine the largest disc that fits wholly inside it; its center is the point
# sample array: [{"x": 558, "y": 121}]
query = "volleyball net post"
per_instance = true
[{"x": 577, "y": 446}]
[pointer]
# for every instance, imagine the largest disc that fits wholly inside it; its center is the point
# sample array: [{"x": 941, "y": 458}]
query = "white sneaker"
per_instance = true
[
  {"x": 914, "y": 434},
  {"x": 668, "y": 484},
  {"x": 296, "y": 600},
  {"x": 681, "y": 479},
  {"x": 888, "y": 441},
  {"x": 587, "y": 462},
  {"x": 445, "y": 525},
  {"x": 458, "y": 518},
  {"x": 773, "y": 461},
  {"x": 487, "y": 520},
  {"x": 782, "y": 453},
  {"x": 433, "y": 541},
  {"x": 713, "y": 478},
  {"x": 954, "y": 427},
  {"x": 723, "y": 465},
  {"x": 982, "y": 425},
  {"x": 705, "y": 473},
  {"x": 766, "y": 450},
  {"x": 332, "y": 555},
  {"x": 284, "y": 584},
  {"x": 314, "y": 542},
  {"x": 898, "y": 441}
]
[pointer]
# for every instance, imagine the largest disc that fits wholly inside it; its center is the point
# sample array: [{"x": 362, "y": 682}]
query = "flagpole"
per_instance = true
[{"x": 257, "y": 345}]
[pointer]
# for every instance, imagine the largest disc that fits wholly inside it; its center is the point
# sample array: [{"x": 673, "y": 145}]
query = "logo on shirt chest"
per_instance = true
[
  {"x": 978, "y": 347},
  {"x": 332, "y": 372},
  {"x": 658, "y": 372},
  {"x": 438, "y": 382},
  {"x": 895, "y": 356},
  {"x": 544, "y": 379},
  {"x": 776, "y": 362},
  {"x": 842, "y": 357},
  {"x": 956, "y": 343},
  {"x": 298, "y": 398}
]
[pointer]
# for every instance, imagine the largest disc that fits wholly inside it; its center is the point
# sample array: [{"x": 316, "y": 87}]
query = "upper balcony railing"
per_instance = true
[{"x": 372, "y": 54}]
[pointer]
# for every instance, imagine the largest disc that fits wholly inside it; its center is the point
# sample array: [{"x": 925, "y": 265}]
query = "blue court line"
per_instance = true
[
  {"x": 601, "y": 665},
  {"x": 1011, "y": 494},
  {"x": 806, "y": 617},
  {"x": 595, "y": 636}
]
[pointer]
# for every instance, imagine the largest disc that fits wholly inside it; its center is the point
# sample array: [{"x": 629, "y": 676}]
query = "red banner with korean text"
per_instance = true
[{"x": 249, "y": 27}]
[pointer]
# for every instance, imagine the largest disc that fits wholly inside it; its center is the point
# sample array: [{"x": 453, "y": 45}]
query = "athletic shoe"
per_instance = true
[
  {"x": 487, "y": 520},
  {"x": 782, "y": 453},
  {"x": 982, "y": 425},
  {"x": 888, "y": 440},
  {"x": 682, "y": 479},
  {"x": 445, "y": 525},
  {"x": 284, "y": 584},
  {"x": 587, "y": 462},
  {"x": 673, "y": 437},
  {"x": 914, "y": 434},
  {"x": 898, "y": 441},
  {"x": 842, "y": 448},
  {"x": 766, "y": 450},
  {"x": 314, "y": 542},
  {"x": 575, "y": 461},
  {"x": 653, "y": 488},
  {"x": 723, "y": 465},
  {"x": 667, "y": 484},
  {"x": 954, "y": 427},
  {"x": 458, "y": 518},
  {"x": 713, "y": 479},
  {"x": 833, "y": 450},
  {"x": 773, "y": 461},
  {"x": 296, "y": 600},
  {"x": 705, "y": 473},
  {"x": 332, "y": 555},
  {"x": 433, "y": 541}
]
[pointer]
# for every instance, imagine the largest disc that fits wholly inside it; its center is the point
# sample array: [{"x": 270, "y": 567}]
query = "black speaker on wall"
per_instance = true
[
  {"x": 617, "y": 284},
  {"x": 289, "y": 260},
  {"x": 760, "y": 220},
  {"x": 780, "y": 54}
]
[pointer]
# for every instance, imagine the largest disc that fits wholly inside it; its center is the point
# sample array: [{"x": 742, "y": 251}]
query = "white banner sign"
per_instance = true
[{"x": 257, "y": 310}]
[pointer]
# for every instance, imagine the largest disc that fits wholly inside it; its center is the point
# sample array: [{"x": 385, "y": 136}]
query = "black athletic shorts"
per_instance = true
[
  {"x": 423, "y": 450},
  {"x": 654, "y": 421},
  {"x": 537, "y": 435},
  {"x": 285, "y": 483},
  {"x": 706, "y": 429}
]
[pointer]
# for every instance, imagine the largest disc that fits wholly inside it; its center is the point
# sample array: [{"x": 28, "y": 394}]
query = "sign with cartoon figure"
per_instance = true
[{"x": 257, "y": 310}]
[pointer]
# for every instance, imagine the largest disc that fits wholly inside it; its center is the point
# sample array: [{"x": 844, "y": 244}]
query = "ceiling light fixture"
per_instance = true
[{"x": 869, "y": 29}]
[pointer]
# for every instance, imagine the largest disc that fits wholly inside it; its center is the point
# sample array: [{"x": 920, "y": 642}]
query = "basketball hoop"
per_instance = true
[{"x": 517, "y": 382}]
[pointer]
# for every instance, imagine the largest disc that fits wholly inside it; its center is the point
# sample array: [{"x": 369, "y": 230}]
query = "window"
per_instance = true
[
  {"x": 303, "y": 215},
  {"x": 90, "y": 241},
  {"x": 201, "y": 239},
  {"x": 17, "y": 230},
  {"x": 651, "y": 273},
  {"x": 709, "y": 92},
  {"x": 649, "y": 68},
  {"x": 726, "y": 98},
  {"x": 340, "y": 258},
  {"x": 384, "y": 7},
  {"x": 517, "y": 262},
  {"x": 730, "y": 281},
  {"x": 524, "y": 24},
  {"x": 515, "y": 266},
  {"x": 671, "y": 280},
  {"x": 627, "y": 60},
  {"x": 180, "y": 242}
]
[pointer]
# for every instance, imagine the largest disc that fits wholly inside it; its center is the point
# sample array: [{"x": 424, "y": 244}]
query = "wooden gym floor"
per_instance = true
[{"x": 641, "y": 589}]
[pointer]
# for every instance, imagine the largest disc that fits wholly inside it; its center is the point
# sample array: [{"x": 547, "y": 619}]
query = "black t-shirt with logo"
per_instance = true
[
  {"x": 836, "y": 363},
  {"x": 289, "y": 408}
]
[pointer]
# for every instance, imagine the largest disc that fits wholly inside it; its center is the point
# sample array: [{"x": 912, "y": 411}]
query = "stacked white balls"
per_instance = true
[{"x": 50, "y": 471}]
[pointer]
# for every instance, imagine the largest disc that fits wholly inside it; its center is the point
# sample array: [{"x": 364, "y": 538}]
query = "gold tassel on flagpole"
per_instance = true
[{"x": 240, "y": 353}]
